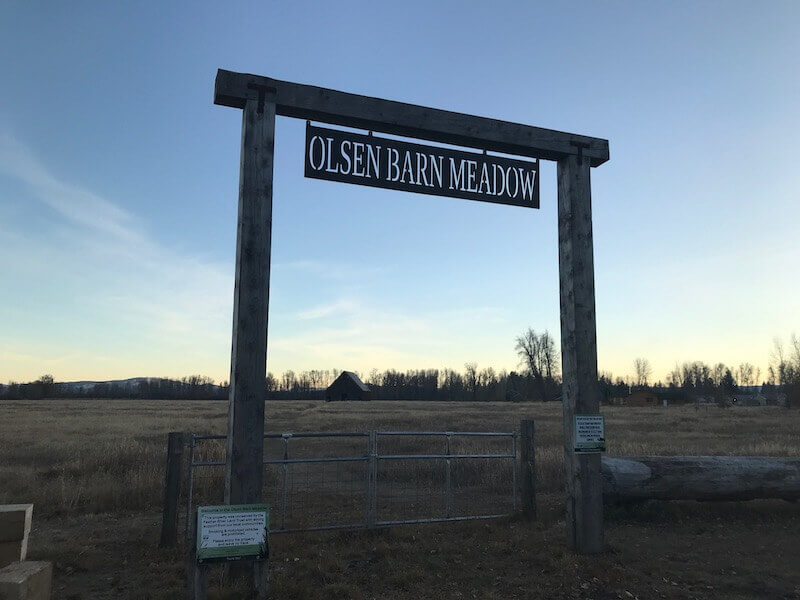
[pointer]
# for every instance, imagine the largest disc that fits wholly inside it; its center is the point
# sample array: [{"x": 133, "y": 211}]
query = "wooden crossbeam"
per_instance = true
[{"x": 398, "y": 118}]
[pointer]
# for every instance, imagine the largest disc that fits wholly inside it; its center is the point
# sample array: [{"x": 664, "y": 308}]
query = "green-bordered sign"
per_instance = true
[
  {"x": 232, "y": 532},
  {"x": 590, "y": 433}
]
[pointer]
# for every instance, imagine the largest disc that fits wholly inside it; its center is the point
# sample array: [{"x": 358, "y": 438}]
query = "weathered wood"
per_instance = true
[
  {"x": 196, "y": 574},
  {"x": 172, "y": 489},
  {"x": 581, "y": 393},
  {"x": 527, "y": 461},
  {"x": 410, "y": 120},
  {"x": 199, "y": 582},
  {"x": 701, "y": 478},
  {"x": 244, "y": 462},
  {"x": 261, "y": 579}
]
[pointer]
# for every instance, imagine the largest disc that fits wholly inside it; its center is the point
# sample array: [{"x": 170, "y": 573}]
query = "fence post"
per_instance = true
[
  {"x": 285, "y": 477},
  {"x": 448, "y": 484},
  {"x": 189, "y": 484},
  {"x": 372, "y": 495},
  {"x": 196, "y": 574},
  {"x": 528, "y": 468},
  {"x": 514, "y": 472},
  {"x": 172, "y": 489}
]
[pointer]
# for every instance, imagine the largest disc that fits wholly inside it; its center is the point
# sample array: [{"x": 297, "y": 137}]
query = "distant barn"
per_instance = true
[
  {"x": 347, "y": 387},
  {"x": 642, "y": 398}
]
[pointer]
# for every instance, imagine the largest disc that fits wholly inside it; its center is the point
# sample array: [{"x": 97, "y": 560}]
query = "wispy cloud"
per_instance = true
[
  {"x": 72, "y": 202},
  {"x": 117, "y": 302},
  {"x": 368, "y": 333},
  {"x": 321, "y": 311},
  {"x": 99, "y": 271}
]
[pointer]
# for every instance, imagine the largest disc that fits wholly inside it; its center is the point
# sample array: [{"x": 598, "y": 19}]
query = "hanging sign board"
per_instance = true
[
  {"x": 386, "y": 163},
  {"x": 590, "y": 434},
  {"x": 232, "y": 532}
]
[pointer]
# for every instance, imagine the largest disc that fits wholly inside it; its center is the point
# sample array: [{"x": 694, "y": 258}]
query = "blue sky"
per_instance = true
[{"x": 118, "y": 184}]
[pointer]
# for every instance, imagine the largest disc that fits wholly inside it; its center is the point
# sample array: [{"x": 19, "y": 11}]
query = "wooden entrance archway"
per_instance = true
[{"x": 261, "y": 99}]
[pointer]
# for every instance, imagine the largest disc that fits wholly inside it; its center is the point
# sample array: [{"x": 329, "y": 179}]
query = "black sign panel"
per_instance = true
[{"x": 381, "y": 162}]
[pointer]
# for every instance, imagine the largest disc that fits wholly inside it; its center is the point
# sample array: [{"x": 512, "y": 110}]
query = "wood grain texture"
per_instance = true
[
  {"x": 172, "y": 489},
  {"x": 580, "y": 390},
  {"x": 244, "y": 462},
  {"x": 196, "y": 574},
  {"x": 261, "y": 579},
  {"x": 701, "y": 478},
  {"x": 410, "y": 120}
]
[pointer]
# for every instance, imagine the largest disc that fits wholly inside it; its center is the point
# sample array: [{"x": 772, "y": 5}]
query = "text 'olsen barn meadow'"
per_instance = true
[{"x": 387, "y": 163}]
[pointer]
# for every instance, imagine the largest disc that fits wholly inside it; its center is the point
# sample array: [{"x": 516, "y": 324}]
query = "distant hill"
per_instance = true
[
  {"x": 87, "y": 385},
  {"x": 192, "y": 387}
]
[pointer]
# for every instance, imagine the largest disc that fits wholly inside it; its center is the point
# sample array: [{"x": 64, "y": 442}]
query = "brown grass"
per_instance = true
[{"x": 94, "y": 470}]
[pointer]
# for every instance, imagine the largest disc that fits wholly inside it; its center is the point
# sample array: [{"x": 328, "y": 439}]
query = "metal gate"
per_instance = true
[{"x": 353, "y": 480}]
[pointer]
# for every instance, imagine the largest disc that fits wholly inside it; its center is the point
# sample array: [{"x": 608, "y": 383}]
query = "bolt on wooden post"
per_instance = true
[{"x": 581, "y": 393}]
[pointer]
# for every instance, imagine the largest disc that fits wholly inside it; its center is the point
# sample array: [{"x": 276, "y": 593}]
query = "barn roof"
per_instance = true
[{"x": 363, "y": 386}]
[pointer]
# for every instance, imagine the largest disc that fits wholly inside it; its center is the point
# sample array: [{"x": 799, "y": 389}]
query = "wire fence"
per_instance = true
[{"x": 354, "y": 480}]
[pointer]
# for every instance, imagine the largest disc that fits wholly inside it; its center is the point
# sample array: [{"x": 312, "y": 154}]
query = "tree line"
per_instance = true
[{"x": 537, "y": 379}]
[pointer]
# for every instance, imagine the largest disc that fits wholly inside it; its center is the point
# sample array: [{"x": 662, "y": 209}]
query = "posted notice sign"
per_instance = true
[
  {"x": 590, "y": 433},
  {"x": 232, "y": 532},
  {"x": 387, "y": 163}
]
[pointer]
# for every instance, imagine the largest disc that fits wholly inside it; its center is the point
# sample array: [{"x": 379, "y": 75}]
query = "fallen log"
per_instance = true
[{"x": 700, "y": 478}]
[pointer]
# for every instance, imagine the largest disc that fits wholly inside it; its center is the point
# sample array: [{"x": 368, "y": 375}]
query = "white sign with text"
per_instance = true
[{"x": 590, "y": 433}]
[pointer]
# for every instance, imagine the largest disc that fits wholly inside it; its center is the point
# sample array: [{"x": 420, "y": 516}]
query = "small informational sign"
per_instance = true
[
  {"x": 590, "y": 433},
  {"x": 349, "y": 157},
  {"x": 232, "y": 532}
]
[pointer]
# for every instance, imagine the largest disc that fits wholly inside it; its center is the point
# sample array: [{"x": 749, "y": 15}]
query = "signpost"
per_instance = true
[
  {"x": 381, "y": 162},
  {"x": 230, "y": 533},
  {"x": 348, "y": 157}
]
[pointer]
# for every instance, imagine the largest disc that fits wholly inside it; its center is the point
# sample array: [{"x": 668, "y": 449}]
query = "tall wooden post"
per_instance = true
[
  {"x": 244, "y": 463},
  {"x": 581, "y": 393}
]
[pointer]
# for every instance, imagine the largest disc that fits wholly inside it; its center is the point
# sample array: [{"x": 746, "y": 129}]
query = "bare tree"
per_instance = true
[
  {"x": 674, "y": 377},
  {"x": 288, "y": 380},
  {"x": 271, "y": 382},
  {"x": 718, "y": 373},
  {"x": 471, "y": 377},
  {"x": 537, "y": 353},
  {"x": 539, "y": 357},
  {"x": 777, "y": 362},
  {"x": 642, "y": 371},
  {"x": 795, "y": 352},
  {"x": 374, "y": 377},
  {"x": 745, "y": 374}
]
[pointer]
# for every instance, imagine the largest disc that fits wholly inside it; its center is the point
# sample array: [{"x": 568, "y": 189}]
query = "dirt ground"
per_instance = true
[
  {"x": 94, "y": 470},
  {"x": 676, "y": 551}
]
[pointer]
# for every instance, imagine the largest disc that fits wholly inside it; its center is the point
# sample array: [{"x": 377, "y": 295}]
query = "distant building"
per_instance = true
[
  {"x": 748, "y": 399},
  {"x": 347, "y": 387},
  {"x": 642, "y": 398}
]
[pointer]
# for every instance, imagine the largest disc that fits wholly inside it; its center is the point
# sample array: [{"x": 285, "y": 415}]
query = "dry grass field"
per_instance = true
[{"x": 94, "y": 470}]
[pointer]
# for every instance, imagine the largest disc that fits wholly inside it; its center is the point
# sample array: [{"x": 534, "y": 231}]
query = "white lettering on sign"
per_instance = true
[
  {"x": 230, "y": 529},
  {"x": 590, "y": 435},
  {"x": 394, "y": 164},
  {"x": 317, "y": 165}
]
